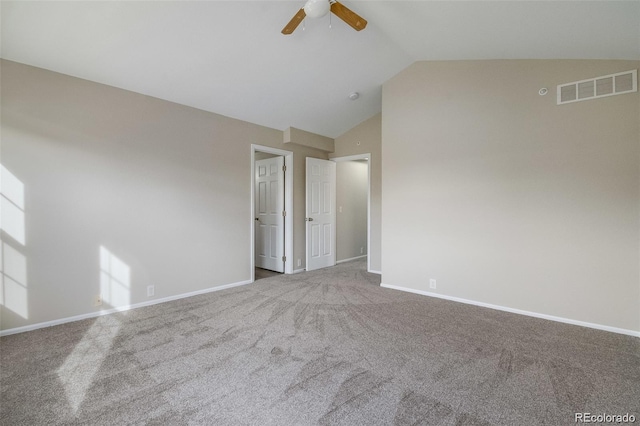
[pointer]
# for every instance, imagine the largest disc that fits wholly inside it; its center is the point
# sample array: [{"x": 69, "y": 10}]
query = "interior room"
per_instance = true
[{"x": 319, "y": 212}]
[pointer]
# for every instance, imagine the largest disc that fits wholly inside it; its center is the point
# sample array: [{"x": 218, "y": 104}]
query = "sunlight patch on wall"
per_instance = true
[
  {"x": 115, "y": 280},
  {"x": 78, "y": 371},
  {"x": 13, "y": 264},
  {"x": 14, "y": 281},
  {"x": 12, "y": 205}
]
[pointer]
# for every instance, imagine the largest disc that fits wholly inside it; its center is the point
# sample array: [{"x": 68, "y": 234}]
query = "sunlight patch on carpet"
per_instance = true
[{"x": 79, "y": 369}]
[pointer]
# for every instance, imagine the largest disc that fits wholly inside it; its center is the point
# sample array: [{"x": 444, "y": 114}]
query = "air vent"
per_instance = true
[{"x": 607, "y": 85}]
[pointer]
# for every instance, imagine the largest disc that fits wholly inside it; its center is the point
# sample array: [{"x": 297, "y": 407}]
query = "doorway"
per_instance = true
[
  {"x": 326, "y": 243},
  {"x": 271, "y": 211},
  {"x": 353, "y": 208}
]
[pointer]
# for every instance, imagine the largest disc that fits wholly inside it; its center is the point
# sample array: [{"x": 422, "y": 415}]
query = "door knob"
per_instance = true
[{"x": 310, "y": 219}]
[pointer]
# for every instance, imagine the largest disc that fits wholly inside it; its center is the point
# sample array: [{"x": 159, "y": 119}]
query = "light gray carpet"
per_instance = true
[{"x": 326, "y": 347}]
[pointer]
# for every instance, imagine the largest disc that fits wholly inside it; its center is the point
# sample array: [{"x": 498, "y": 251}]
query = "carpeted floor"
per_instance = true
[{"x": 325, "y": 347}]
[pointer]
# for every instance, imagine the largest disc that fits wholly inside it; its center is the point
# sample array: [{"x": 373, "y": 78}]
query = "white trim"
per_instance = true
[
  {"x": 351, "y": 158},
  {"x": 517, "y": 311},
  {"x": 120, "y": 309},
  {"x": 365, "y": 156},
  {"x": 376, "y": 272},
  {"x": 288, "y": 206},
  {"x": 297, "y": 271},
  {"x": 350, "y": 259}
]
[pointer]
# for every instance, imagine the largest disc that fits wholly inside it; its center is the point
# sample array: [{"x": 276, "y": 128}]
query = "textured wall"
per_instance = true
[
  {"x": 505, "y": 197},
  {"x": 158, "y": 192}
]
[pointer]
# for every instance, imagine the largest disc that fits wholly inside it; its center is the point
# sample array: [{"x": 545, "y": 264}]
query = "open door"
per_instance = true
[
  {"x": 321, "y": 213},
  {"x": 269, "y": 220}
]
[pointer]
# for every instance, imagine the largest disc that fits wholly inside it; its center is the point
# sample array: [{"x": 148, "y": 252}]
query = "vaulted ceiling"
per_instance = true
[{"x": 230, "y": 58}]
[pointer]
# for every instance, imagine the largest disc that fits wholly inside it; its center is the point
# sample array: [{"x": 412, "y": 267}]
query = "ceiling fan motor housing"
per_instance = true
[{"x": 317, "y": 8}]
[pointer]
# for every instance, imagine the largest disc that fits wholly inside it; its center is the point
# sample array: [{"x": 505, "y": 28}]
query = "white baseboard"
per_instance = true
[
  {"x": 297, "y": 271},
  {"x": 375, "y": 272},
  {"x": 350, "y": 259},
  {"x": 119, "y": 309},
  {"x": 517, "y": 311}
]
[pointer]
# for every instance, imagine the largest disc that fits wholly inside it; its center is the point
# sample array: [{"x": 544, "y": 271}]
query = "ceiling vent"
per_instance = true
[{"x": 599, "y": 87}]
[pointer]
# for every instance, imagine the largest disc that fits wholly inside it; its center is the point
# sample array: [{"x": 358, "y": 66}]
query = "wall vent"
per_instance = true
[{"x": 599, "y": 87}]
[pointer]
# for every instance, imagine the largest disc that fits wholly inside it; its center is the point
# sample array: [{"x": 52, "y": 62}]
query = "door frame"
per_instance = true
[
  {"x": 288, "y": 207},
  {"x": 367, "y": 157},
  {"x": 271, "y": 240}
]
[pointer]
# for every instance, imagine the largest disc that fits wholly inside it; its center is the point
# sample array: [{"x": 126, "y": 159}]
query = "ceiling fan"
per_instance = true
[{"x": 319, "y": 8}]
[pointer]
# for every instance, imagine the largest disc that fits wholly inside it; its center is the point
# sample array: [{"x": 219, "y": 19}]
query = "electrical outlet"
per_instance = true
[
  {"x": 97, "y": 301},
  {"x": 299, "y": 262},
  {"x": 151, "y": 290},
  {"x": 361, "y": 250},
  {"x": 340, "y": 209},
  {"x": 432, "y": 283}
]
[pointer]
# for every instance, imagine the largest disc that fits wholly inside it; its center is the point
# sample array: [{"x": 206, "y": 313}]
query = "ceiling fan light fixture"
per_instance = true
[{"x": 317, "y": 8}]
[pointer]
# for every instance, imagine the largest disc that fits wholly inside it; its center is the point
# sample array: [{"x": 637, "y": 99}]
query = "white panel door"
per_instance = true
[
  {"x": 269, "y": 221},
  {"x": 321, "y": 213}
]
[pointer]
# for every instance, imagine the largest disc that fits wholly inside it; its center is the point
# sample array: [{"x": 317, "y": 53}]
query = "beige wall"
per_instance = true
[
  {"x": 165, "y": 188},
  {"x": 508, "y": 199},
  {"x": 292, "y": 135},
  {"x": 351, "y": 217},
  {"x": 367, "y": 138}
]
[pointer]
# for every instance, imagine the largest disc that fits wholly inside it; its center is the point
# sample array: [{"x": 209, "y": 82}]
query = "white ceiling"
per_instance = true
[{"x": 229, "y": 57}]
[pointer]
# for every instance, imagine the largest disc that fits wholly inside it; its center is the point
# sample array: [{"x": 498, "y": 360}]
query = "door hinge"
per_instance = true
[
  {"x": 284, "y": 213},
  {"x": 284, "y": 168},
  {"x": 284, "y": 258}
]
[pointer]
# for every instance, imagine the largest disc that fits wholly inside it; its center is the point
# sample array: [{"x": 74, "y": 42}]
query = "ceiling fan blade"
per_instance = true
[
  {"x": 294, "y": 22},
  {"x": 356, "y": 21}
]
